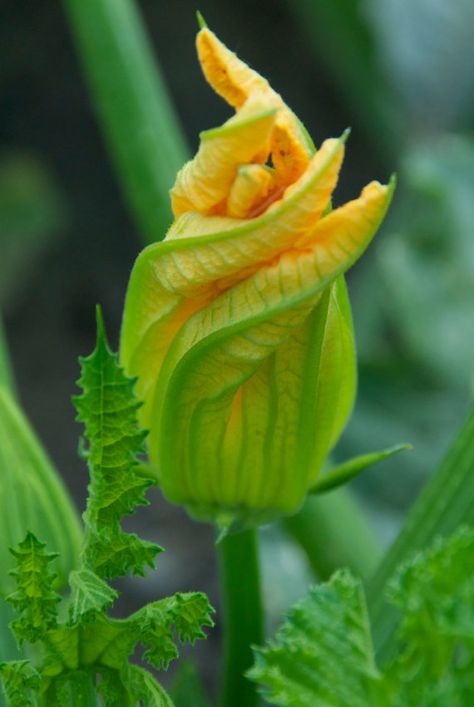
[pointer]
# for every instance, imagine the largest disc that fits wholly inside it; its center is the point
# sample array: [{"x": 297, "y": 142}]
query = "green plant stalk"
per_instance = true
[
  {"x": 334, "y": 532},
  {"x": 6, "y": 375},
  {"x": 8, "y": 646},
  {"x": 446, "y": 502},
  {"x": 243, "y": 615},
  {"x": 135, "y": 111}
]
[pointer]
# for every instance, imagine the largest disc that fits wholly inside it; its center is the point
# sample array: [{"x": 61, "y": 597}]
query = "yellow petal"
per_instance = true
[
  {"x": 232, "y": 79},
  {"x": 205, "y": 181},
  {"x": 203, "y": 255},
  {"x": 251, "y": 186},
  {"x": 203, "y": 249},
  {"x": 341, "y": 230}
]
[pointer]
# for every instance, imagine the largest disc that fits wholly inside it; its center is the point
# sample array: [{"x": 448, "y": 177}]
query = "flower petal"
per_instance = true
[
  {"x": 251, "y": 396},
  {"x": 205, "y": 181},
  {"x": 251, "y": 186},
  {"x": 232, "y": 79},
  {"x": 173, "y": 278}
]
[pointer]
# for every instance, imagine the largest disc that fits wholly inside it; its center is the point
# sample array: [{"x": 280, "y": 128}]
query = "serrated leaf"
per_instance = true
[
  {"x": 89, "y": 594},
  {"x": 34, "y": 599},
  {"x": 435, "y": 593},
  {"x": 19, "y": 678},
  {"x": 322, "y": 655},
  {"x": 108, "y": 408},
  {"x": 186, "y": 614}
]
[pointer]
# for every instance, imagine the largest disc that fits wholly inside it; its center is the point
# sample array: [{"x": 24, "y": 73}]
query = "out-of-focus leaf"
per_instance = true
[
  {"x": 136, "y": 113},
  {"x": 446, "y": 502},
  {"x": 413, "y": 310},
  {"x": 330, "y": 542},
  {"x": 341, "y": 34},
  {"x": 428, "y": 53},
  {"x": 31, "y": 212},
  {"x": 32, "y": 496},
  {"x": 428, "y": 262},
  {"x": 187, "y": 689}
]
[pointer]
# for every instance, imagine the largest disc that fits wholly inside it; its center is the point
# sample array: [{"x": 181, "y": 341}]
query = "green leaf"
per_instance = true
[
  {"x": 435, "y": 593},
  {"x": 323, "y": 654},
  {"x": 32, "y": 495},
  {"x": 154, "y": 626},
  {"x": 34, "y": 599},
  {"x": 108, "y": 409},
  {"x": 145, "y": 688},
  {"x": 89, "y": 594},
  {"x": 136, "y": 112},
  {"x": 19, "y": 678},
  {"x": 446, "y": 502},
  {"x": 187, "y": 688},
  {"x": 343, "y": 473},
  {"x": 433, "y": 653},
  {"x": 73, "y": 653}
]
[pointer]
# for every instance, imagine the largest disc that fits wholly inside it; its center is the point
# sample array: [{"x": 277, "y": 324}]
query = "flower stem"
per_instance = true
[{"x": 243, "y": 616}]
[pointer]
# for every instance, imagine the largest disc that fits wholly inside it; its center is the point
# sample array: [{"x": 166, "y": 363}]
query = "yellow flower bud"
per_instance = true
[{"x": 238, "y": 325}]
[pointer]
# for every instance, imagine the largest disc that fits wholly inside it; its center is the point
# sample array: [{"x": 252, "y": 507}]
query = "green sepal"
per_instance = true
[{"x": 341, "y": 474}]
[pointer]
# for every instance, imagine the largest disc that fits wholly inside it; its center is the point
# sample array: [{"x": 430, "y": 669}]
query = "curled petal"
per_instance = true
[
  {"x": 232, "y": 79},
  {"x": 178, "y": 276},
  {"x": 251, "y": 187},
  {"x": 205, "y": 181}
]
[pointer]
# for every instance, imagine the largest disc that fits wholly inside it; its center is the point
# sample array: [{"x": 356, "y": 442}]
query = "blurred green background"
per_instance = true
[{"x": 401, "y": 74}]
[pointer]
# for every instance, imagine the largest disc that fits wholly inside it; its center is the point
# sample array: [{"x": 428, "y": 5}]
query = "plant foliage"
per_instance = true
[
  {"x": 323, "y": 655},
  {"x": 89, "y": 651}
]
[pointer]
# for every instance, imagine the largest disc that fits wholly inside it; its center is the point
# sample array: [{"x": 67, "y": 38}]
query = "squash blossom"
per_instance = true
[{"x": 237, "y": 325}]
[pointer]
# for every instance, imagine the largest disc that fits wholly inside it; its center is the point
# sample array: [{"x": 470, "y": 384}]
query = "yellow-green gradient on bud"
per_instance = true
[{"x": 237, "y": 325}]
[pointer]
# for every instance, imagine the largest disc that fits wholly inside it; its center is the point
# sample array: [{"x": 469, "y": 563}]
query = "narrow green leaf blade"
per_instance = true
[
  {"x": 343, "y": 473},
  {"x": 136, "y": 112},
  {"x": 446, "y": 502},
  {"x": 145, "y": 688},
  {"x": 32, "y": 495},
  {"x": 108, "y": 409},
  {"x": 90, "y": 594},
  {"x": 322, "y": 655}
]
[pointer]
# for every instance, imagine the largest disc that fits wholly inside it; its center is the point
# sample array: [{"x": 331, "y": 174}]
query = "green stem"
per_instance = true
[
  {"x": 333, "y": 532},
  {"x": 135, "y": 110},
  {"x": 243, "y": 615},
  {"x": 446, "y": 502},
  {"x": 6, "y": 375}
]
